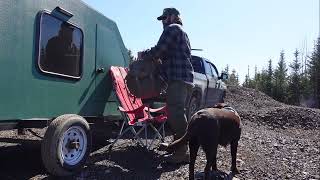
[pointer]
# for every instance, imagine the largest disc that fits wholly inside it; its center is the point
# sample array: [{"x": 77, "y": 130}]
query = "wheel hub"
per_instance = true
[{"x": 73, "y": 145}]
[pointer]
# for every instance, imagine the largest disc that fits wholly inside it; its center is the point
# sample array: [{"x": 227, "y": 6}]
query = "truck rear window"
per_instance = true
[{"x": 60, "y": 47}]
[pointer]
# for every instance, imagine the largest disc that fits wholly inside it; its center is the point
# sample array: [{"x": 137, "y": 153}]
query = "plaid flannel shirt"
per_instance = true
[{"x": 173, "y": 48}]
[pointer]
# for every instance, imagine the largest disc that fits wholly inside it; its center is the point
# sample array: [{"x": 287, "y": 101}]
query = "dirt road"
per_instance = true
[{"x": 277, "y": 142}]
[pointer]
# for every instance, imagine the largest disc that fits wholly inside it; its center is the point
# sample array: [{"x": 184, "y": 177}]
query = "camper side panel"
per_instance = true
[{"x": 30, "y": 87}]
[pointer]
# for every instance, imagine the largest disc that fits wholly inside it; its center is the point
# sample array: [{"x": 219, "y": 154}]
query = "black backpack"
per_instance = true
[{"x": 143, "y": 79}]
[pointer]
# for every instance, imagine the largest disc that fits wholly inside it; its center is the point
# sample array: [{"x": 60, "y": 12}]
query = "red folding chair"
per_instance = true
[{"x": 135, "y": 113}]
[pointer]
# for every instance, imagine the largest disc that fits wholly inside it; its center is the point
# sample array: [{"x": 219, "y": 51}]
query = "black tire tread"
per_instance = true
[{"x": 48, "y": 149}]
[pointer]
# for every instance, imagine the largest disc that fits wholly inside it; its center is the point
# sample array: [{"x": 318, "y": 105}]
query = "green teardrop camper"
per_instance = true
[{"x": 54, "y": 61}]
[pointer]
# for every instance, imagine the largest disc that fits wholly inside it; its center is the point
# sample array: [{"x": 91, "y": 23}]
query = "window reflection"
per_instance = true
[
  {"x": 214, "y": 70},
  {"x": 197, "y": 64},
  {"x": 60, "y": 47},
  {"x": 208, "y": 69}
]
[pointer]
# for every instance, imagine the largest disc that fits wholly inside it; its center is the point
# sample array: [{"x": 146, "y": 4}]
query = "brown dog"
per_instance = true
[{"x": 208, "y": 128}]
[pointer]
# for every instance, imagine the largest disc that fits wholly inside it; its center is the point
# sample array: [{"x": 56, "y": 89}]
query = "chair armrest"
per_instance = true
[
  {"x": 134, "y": 111},
  {"x": 158, "y": 110}
]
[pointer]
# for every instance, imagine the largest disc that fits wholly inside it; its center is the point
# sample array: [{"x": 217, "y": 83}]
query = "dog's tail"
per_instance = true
[
  {"x": 174, "y": 145},
  {"x": 178, "y": 143},
  {"x": 184, "y": 139}
]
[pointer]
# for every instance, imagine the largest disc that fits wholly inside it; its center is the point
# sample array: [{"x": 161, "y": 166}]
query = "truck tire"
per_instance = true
[
  {"x": 66, "y": 145},
  {"x": 222, "y": 97},
  {"x": 193, "y": 107}
]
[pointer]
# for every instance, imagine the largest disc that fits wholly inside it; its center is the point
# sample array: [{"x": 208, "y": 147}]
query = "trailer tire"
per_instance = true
[{"x": 66, "y": 145}]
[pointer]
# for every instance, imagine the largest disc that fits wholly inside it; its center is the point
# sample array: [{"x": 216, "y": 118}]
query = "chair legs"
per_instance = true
[
  {"x": 133, "y": 131},
  {"x": 144, "y": 127},
  {"x": 157, "y": 134},
  {"x": 136, "y": 134},
  {"x": 121, "y": 133}
]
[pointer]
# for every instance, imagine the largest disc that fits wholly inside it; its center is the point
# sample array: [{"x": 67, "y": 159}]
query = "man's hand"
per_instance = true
[
  {"x": 157, "y": 61},
  {"x": 140, "y": 55},
  {"x": 144, "y": 54}
]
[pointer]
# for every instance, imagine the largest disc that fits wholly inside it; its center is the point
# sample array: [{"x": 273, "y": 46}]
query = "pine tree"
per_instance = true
[
  {"x": 315, "y": 73},
  {"x": 306, "y": 89},
  {"x": 252, "y": 83},
  {"x": 226, "y": 70},
  {"x": 132, "y": 58},
  {"x": 233, "y": 79},
  {"x": 246, "y": 80},
  {"x": 269, "y": 75},
  {"x": 237, "y": 76},
  {"x": 256, "y": 78},
  {"x": 280, "y": 80},
  {"x": 264, "y": 81},
  {"x": 294, "y": 89}
]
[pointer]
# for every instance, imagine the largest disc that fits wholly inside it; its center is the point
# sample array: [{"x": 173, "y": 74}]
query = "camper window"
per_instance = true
[{"x": 60, "y": 47}]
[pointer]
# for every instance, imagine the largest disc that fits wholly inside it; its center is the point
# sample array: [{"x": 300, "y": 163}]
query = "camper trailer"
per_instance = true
[{"x": 54, "y": 60}]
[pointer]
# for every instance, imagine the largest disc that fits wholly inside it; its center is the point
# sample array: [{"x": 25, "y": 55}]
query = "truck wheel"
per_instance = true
[
  {"x": 66, "y": 145},
  {"x": 221, "y": 99},
  {"x": 193, "y": 107}
]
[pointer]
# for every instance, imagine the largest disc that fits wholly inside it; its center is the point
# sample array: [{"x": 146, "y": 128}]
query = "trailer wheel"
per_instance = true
[
  {"x": 193, "y": 106},
  {"x": 66, "y": 145}
]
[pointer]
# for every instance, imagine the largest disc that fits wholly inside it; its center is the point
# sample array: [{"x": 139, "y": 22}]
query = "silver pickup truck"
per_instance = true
[{"x": 209, "y": 88}]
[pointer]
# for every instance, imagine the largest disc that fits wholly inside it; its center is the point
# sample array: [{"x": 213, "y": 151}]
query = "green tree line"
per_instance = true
[{"x": 297, "y": 83}]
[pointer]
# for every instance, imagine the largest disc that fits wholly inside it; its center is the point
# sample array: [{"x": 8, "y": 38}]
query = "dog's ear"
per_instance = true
[
  {"x": 219, "y": 105},
  {"x": 197, "y": 115}
]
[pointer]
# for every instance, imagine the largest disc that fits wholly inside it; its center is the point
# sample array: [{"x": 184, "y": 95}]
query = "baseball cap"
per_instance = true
[{"x": 168, "y": 12}]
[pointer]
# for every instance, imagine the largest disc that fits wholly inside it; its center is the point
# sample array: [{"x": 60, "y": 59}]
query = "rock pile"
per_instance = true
[{"x": 256, "y": 106}]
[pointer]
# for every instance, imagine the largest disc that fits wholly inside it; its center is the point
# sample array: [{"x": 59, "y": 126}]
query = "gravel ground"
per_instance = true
[{"x": 278, "y": 142}]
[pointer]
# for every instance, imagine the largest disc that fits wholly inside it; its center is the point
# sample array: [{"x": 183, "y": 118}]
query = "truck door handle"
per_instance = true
[{"x": 100, "y": 70}]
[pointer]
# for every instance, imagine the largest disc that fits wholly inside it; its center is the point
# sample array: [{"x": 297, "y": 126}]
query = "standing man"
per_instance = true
[{"x": 173, "y": 48}]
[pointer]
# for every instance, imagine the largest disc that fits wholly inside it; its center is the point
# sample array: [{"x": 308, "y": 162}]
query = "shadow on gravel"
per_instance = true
[
  {"x": 20, "y": 161},
  {"x": 132, "y": 162},
  {"x": 218, "y": 175}
]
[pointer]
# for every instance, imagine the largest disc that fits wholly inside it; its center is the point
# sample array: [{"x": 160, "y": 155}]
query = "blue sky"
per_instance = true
[{"x": 234, "y": 32}]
